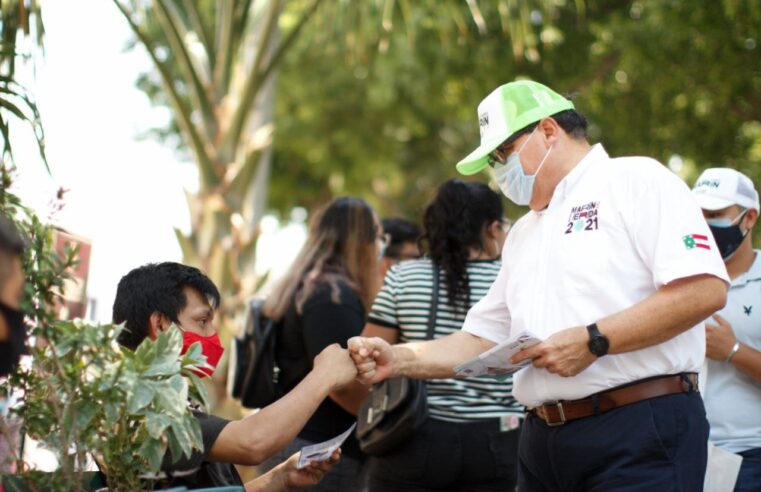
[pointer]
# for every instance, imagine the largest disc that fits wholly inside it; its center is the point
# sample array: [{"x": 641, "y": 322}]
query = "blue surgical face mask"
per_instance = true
[{"x": 513, "y": 182}]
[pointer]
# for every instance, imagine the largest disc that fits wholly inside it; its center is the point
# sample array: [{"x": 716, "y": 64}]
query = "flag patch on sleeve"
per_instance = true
[{"x": 692, "y": 241}]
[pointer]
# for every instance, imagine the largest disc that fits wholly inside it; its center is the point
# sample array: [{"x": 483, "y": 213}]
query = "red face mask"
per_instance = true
[{"x": 211, "y": 347}]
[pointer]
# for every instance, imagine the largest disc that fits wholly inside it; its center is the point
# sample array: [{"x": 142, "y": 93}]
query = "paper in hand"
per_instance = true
[
  {"x": 495, "y": 362},
  {"x": 322, "y": 451}
]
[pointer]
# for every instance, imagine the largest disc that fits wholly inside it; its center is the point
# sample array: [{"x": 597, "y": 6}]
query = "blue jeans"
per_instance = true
[{"x": 749, "y": 478}]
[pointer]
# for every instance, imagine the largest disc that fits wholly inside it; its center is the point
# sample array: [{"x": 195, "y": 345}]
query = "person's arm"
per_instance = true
[
  {"x": 669, "y": 311},
  {"x": 377, "y": 360},
  {"x": 251, "y": 440},
  {"x": 720, "y": 340},
  {"x": 286, "y": 475}
]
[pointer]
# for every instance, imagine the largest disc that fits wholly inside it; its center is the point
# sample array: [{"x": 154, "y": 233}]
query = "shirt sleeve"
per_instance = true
[
  {"x": 326, "y": 322},
  {"x": 384, "y": 310},
  {"x": 490, "y": 318},
  {"x": 667, "y": 226},
  {"x": 211, "y": 427}
]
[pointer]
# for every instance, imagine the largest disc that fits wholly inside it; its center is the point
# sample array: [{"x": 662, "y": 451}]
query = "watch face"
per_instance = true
[{"x": 598, "y": 345}]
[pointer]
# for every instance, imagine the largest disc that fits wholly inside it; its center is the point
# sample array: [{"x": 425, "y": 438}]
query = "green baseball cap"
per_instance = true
[{"x": 508, "y": 109}]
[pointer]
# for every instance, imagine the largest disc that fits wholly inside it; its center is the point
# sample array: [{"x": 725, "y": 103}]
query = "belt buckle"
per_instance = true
[
  {"x": 559, "y": 406},
  {"x": 542, "y": 413}
]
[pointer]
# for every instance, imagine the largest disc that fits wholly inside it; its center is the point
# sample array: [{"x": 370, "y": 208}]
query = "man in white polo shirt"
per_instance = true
[
  {"x": 614, "y": 268},
  {"x": 733, "y": 337}
]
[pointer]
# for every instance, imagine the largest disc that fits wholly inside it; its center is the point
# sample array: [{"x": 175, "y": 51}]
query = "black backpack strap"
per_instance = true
[{"x": 434, "y": 303}]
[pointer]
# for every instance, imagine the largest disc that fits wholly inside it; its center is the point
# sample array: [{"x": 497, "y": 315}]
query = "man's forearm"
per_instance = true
[
  {"x": 272, "y": 481},
  {"x": 435, "y": 359},
  {"x": 257, "y": 437},
  {"x": 670, "y": 311}
]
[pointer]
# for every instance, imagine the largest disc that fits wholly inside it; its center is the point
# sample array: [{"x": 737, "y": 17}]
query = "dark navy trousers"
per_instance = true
[{"x": 655, "y": 445}]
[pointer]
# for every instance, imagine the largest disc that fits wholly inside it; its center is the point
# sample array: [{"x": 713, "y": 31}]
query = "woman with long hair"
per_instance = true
[
  {"x": 322, "y": 300},
  {"x": 470, "y": 439}
]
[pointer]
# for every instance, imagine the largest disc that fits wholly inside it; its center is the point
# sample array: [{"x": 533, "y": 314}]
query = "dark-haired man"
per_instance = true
[
  {"x": 151, "y": 298},
  {"x": 402, "y": 242},
  {"x": 12, "y": 330},
  {"x": 615, "y": 270}
]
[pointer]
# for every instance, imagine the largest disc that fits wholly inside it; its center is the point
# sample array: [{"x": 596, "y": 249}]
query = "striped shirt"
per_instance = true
[{"x": 404, "y": 303}]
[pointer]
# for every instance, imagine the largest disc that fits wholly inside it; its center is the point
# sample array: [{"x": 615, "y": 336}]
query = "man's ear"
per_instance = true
[
  {"x": 156, "y": 324},
  {"x": 494, "y": 229},
  {"x": 750, "y": 218},
  {"x": 549, "y": 129}
]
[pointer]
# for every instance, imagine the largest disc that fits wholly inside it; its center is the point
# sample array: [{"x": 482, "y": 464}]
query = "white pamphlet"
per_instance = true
[
  {"x": 495, "y": 362},
  {"x": 322, "y": 451}
]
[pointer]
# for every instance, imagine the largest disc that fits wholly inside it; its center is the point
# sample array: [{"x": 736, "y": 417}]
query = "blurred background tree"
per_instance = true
[
  {"x": 216, "y": 64},
  {"x": 378, "y": 98},
  {"x": 20, "y": 22},
  {"x": 676, "y": 80}
]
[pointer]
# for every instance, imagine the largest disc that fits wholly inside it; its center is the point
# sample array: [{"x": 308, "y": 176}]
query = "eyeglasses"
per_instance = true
[{"x": 499, "y": 155}]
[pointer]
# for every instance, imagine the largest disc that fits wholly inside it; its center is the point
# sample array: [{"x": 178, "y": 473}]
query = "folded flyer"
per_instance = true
[
  {"x": 495, "y": 362},
  {"x": 322, "y": 451}
]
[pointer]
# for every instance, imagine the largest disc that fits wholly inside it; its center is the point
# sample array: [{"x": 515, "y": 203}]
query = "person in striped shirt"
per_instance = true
[{"x": 469, "y": 441}]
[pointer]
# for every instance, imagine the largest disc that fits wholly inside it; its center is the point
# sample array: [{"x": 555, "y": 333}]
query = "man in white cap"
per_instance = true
[
  {"x": 733, "y": 337},
  {"x": 615, "y": 269}
]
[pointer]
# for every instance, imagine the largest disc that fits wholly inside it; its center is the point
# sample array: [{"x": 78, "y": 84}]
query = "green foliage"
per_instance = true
[
  {"x": 659, "y": 78},
  {"x": 18, "y": 17},
  {"x": 84, "y": 393}
]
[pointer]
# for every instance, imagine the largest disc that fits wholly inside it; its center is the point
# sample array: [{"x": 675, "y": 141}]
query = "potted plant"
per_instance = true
[{"x": 84, "y": 395}]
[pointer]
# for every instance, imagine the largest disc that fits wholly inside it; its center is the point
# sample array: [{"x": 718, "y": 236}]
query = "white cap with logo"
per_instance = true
[{"x": 721, "y": 187}]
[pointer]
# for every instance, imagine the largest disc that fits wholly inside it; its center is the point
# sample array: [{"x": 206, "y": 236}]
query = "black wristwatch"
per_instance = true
[{"x": 598, "y": 343}]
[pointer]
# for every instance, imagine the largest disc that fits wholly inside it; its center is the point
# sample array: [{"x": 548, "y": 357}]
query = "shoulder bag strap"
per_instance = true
[{"x": 434, "y": 303}]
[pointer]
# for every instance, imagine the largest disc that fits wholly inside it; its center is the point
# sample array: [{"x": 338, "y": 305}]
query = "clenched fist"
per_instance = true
[{"x": 373, "y": 357}]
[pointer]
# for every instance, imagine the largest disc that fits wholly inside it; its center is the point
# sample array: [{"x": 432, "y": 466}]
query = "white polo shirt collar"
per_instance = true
[{"x": 753, "y": 273}]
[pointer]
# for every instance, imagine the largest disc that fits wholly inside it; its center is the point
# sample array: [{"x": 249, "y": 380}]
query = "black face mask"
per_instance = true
[{"x": 728, "y": 239}]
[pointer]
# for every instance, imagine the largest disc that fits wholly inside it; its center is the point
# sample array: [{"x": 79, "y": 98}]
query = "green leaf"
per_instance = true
[
  {"x": 142, "y": 394},
  {"x": 156, "y": 424},
  {"x": 167, "y": 349},
  {"x": 183, "y": 436},
  {"x": 169, "y": 399},
  {"x": 195, "y": 433},
  {"x": 175, "y": 448},
  {"x": 85, "y": 411},
  {"x": 152, "y": 452},
  {"x": 198, "y": 390},
  {"x": 111, "y": 410}
]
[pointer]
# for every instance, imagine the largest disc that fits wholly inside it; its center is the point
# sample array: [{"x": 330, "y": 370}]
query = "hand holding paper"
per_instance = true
[
  {"x": 322, "y": 451},
  {"x": 495, "y": 362}
]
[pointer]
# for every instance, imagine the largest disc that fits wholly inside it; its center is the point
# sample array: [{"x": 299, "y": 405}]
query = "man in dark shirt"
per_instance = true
[{"x": 152, "y": 298}]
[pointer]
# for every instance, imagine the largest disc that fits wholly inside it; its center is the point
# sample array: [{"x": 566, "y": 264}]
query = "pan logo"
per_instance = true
[{"x": 483, "y": 122}]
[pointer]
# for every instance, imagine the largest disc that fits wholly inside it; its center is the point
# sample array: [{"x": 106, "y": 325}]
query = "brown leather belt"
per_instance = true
[{"x": 560, "y": 412}]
